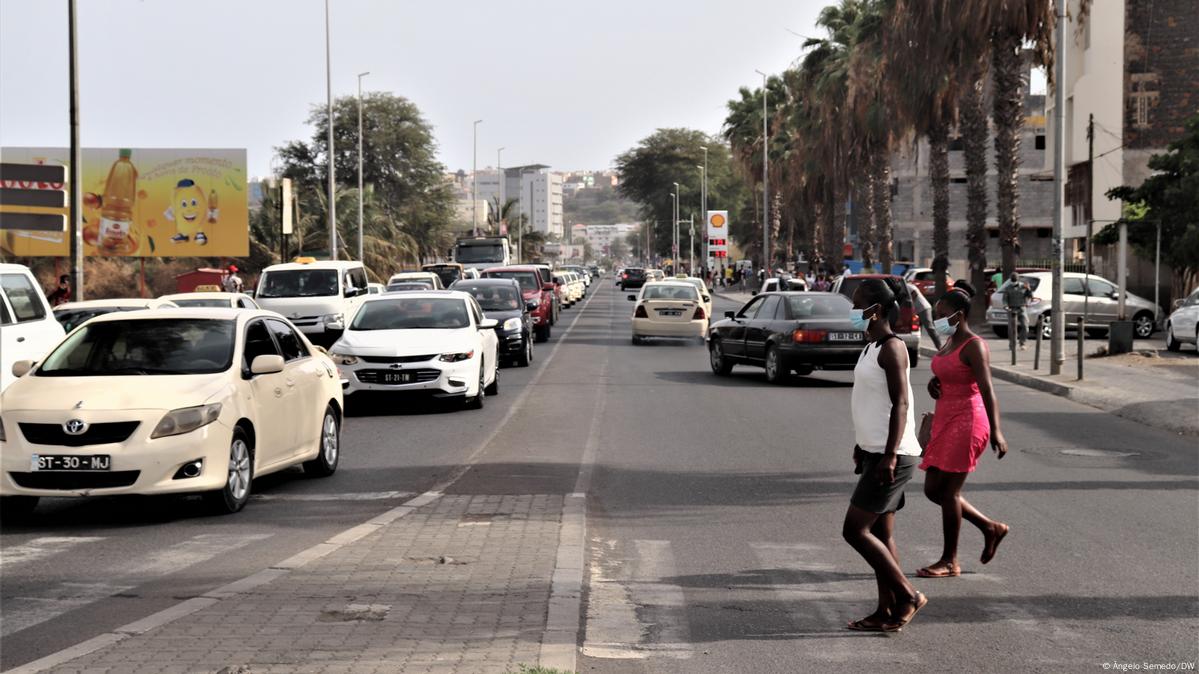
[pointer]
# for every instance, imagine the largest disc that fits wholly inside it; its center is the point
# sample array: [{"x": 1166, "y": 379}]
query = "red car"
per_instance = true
[
  {"x": 908, "y": 325},
  {"x": 925, "y": 281},
  {"x": 534, "y": 289}
]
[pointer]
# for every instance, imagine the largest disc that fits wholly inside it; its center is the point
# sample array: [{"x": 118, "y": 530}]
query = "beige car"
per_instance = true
[
  {"x": 167, "y": 402},
  {"x": 705, "y": 295},
  {"x": 212, "y": 299},
  {"x": 670, "y": 309},
  {"x": 71, "y": 315}
]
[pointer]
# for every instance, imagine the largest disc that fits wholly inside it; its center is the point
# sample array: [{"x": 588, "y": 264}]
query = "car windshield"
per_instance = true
[
  {"x": 526, "y": 279},
  {"x": 493, "y": 298},
  {"x": 299, "y": 283},
  {"x": 144, "y": 347},
  {"x": 209, "y": 302},
  {"x": 819, "y": 306},
  {"x": 415, "y": 313},
  {"x": 480, "y": 253},
  {"x": 447, "y": 274},
  {"x": 409, "y": 285},
  {"x": 679, "y": 292}
]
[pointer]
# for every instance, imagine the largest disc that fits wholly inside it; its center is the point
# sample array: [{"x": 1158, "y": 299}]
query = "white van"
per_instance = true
[
  {"x": 318, "y": 297},
  {"x": 27, "y": 326}
]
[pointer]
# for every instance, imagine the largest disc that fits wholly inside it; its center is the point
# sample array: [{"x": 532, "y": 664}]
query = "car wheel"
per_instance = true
[
  {"x": 325, "y": 463},
  {"x": 716, "y": 358},
  {"x": 1046, "y": 325},
  {"x": 636, "y": 340},
  {"x": 14, "y": 508},
  {"x": 1172, "y": 344},
  {"x": 526, "y": 357},
  {"x": 476, "y": 403},
  {"x": 775, "y": 374},
  {"x": 233, "y": 496},
  {"x": 1143, "y": 325},
  {"x": 1000, "y": 331},
  {"x": 493, "y": 389}
]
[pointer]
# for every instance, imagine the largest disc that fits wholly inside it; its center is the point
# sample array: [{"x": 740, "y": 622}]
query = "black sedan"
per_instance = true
[
  {"x": 501, "y": 299},
  {"x": 785, "y": 332}
]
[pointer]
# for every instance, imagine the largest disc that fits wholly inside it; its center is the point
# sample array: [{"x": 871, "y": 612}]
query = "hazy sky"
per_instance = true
[{"x": 569, "y": 84}]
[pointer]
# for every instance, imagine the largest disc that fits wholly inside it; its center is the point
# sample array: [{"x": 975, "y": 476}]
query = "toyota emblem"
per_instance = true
[{"x": 75, "y": 427}]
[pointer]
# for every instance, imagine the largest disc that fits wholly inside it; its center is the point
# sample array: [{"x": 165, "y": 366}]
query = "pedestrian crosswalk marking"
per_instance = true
[
  {"x": 41, "y": 548},
  {"x": 24, "y": 611}
]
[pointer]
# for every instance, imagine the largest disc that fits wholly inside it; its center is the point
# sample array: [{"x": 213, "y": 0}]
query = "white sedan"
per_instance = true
[
  {"x": 669, "y": 309},
  {"x": 212, "y": 299},
  {"x": 436, "y": 342},
  {"x": 166, "y": 402},
  {"x": 71, "y": 315},
  {"x": 1182, "y": 327}
]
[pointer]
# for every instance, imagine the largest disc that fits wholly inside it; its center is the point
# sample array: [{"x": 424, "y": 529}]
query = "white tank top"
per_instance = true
[{"x": 872, "y": 407}]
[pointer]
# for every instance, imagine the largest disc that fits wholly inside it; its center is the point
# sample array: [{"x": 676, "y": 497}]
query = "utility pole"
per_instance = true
[
  {"x": 499, "y": 163},
  {"x": 1057, "y": 318},
  {"x": 329, "y": 111},
  {"x": 765, "y": 176},
  {"x": 1086, "y": 298},
  {"x": 703, "y": 203},
  {"x": 691, "y": 247},
  {"x": 474, "y": 179},
  {"x": 76, "y": 180},
  {"x": 360, "y": 198}
]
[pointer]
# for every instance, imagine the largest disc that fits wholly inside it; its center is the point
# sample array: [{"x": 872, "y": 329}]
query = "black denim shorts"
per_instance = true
[{"x": 876, "y": 497}]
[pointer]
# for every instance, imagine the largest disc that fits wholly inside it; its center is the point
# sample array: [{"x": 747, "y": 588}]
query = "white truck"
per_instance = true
[
  {"x": 318, "y": 297},
  {"x": 483, "y": 252},
  {"x": 28, "y": 329}
]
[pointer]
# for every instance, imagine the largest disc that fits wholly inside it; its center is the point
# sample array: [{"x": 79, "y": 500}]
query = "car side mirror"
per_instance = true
[
  {"x": 1115, "y": 295},
  {"x": 351, "y": 292},
  {"x": 753, "y": 292},
  {"x": 632, "y": 298},
  {"x": 21, "y": 368},
  {"x": 530, "y": 306},
  {"x": 266, "y": 364},
  {"x": 488, "y": 324},
  {"x": 730, "y": 314},
  {"x": 548, "y": 286},
  {"x": 1178, "y": 304},
  {"x": 707, "y": 298}
]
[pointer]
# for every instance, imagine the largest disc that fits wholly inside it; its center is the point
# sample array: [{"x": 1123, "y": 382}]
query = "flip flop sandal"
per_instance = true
[
  {"x": 862, "y": 626},
  {"x": 948, "y": 572},
  {"x": 917, "y": 605}
]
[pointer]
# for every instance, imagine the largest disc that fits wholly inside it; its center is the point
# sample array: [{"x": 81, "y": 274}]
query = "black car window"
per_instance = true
[
  {"x": 289, "y": 342},
  {"x": 818, "y": 306},
  {"x": 26, "y": 301},
  {"x": 1100, "y": 288},
  {"x": 258, "y": 343},
  {"x": 1072, "y": 286},
  {"x": 5, "y": 319},
  {"x": 750, "y": 310},
  {"x": 769, "y": 306}
]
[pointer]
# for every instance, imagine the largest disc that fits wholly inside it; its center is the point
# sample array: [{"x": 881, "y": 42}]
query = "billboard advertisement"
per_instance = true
[{"x": 147, "y": 202}]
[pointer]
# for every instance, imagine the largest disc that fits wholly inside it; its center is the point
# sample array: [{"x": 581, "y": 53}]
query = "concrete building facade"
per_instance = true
[{"x": 537, "y": 190}]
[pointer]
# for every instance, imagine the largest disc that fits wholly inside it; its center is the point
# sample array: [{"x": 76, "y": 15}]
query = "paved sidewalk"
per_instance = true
[{"x": 459, "y": 585}]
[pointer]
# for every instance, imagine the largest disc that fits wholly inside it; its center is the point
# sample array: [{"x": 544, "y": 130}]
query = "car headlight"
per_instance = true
[
  {"x": 186, "y": 420},
  {"x": 343, "y": 358},
  {"x": 334, "y": 321},
  {"x": 512, "y": 325},
  {"x": 456, "y": 357}
]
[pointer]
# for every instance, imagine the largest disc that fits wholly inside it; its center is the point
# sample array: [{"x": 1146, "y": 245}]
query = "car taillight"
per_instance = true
[
  {"x": 699, "y": 314},
  {"x": 809, "y": 336},
  {"x": 624, "y": 276},
  {"x": 914, "y": 322},
  {"x": 640, "y": 313}
]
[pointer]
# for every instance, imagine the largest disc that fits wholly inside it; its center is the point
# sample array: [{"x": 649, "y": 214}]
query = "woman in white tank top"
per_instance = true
[{"x": 887, "y": 454}]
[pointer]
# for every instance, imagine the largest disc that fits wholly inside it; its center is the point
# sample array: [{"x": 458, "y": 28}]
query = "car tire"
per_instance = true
[
  {"x": 477, "y": 402},
  {"x": 526, "y": 357},
  {"x": 493, "y": 389},
  {"x": 543, "y": 333},
  {"x": 1172, "y": 343},
  {"x": 636, "y": 340},
  {"x": 1143, "y": 326},
  {"x": 775, "y": 372},
  {"x": 233, "y": 496},
  {"x": 17, "y": 508},
  {"x": 717, "y": 360},
  {"x": 1000, "y": 331},
  {"x": 325, "y": 463}
]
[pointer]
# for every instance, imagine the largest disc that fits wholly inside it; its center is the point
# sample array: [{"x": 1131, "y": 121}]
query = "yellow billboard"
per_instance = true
[{"x": 147, "y": 202}]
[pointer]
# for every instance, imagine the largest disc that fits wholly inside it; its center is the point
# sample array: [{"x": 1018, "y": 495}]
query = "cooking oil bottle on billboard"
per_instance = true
[{"x": 116, "y": 209}]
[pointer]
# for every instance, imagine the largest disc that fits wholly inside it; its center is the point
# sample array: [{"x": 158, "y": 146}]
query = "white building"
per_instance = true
[
  {"x": 601, "y": 236},
  {"x": 537, "y": 190}
]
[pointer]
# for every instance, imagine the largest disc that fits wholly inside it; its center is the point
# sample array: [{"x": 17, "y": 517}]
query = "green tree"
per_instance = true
[{"x": 1169, "y": 198}]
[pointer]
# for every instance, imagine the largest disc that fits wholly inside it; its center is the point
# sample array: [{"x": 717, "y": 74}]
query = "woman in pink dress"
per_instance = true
[{"x": 966, "y": 419}]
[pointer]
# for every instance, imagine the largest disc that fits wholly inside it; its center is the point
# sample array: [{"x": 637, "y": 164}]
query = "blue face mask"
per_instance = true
[
  {"x": 942, "y": 326},
  {"x": 857, "y": 320}
]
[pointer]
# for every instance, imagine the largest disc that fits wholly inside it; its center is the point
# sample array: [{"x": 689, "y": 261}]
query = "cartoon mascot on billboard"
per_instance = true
[{"x": 191, "y": 212}]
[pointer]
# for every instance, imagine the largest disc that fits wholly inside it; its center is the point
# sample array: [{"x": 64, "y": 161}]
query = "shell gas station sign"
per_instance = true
[{"x": 718, "y": 234}]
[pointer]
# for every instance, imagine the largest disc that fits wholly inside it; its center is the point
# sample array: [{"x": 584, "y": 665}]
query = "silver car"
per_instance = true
[
  {"x": 1182, "y": 327},
  {"x": 1099, "y": 296}
]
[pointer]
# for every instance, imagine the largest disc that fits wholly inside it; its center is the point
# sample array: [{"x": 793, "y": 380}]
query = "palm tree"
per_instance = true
[{"x": 974, "y": 147}]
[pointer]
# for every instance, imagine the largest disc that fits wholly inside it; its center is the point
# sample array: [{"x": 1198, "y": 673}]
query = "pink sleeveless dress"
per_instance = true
[{"x": 961, "y": 430}]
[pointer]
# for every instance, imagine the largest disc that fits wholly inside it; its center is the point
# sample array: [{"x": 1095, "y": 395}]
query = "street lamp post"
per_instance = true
[
  {"x": 499, "y": 168},
  {"x": 703, "y": 198},
  {"x": 474, "y": 179},
  {"x": 765, "y": 177},
  {"x": 1057, "y": 321},
  {"x": 360, "y": 198},
  {"x": 75, "y": 180},
  {"x": 674, "y": 228},
  {"x": 329, "y": 112}
]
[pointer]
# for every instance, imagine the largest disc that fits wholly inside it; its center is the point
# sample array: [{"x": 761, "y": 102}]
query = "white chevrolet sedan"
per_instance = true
[
  {"x": 168, "y": 401},
  {"x": 436, "y": 342}
]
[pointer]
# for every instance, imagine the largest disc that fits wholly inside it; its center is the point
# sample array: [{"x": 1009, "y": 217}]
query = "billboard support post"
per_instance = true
[{"x": 75, "y": 227}]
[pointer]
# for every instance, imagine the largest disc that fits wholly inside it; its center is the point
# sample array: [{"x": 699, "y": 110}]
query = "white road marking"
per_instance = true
[
  {"x": 24, "y": 611},
  {"x": 631, "y": 613},
  {"x": 349, "y": 496},
  {"x": 40, "y": 548}
]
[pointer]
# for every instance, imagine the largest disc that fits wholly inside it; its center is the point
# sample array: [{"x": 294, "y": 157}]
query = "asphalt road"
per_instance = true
[{"x": 714, "y": 516}]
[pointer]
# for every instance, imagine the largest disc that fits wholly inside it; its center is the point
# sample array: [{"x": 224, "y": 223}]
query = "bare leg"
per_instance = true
[
  {"x": 858, "y": 532},
  {"x": 883, "y": 530}
]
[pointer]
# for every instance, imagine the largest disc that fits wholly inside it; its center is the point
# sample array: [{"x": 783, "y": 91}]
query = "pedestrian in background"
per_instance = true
[
  {"x": 61, "y": 294},
  {"x": 233, "y": 282},
  {"x": 925, "y": 311},
  {"x": 966, "y": 419},
  {"x": 885, "y": 433},
  {"x": 1016, "y": 294}
]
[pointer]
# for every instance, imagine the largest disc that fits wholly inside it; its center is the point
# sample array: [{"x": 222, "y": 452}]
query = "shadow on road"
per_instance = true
[{"x": 748, "y": 378}]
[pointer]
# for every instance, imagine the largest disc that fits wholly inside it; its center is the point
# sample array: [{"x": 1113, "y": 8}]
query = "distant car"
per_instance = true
[
  {"x": 423, "y": 276},
  {"x": 632, "y": 277},
  {"x": 705, "y": 295},
  {"x": 28, "y": 329},
  {"x": 995, "y": 277},
  {"x": 547, "y": 275},
  {"x": 448, "y": 272},
  {"x": 1182, "y": 327},
  {"x": 375, "y": 289},
  {"x": 502, "y": 299},
  {"x": 167, "y": 402},
  {"x": 409, "y": 286},
  {"x": 436, "y": 343},
  {"x": 536, "y": 290},
  {"x": 925, "y": 280},
  {"x": 906, "y": 324},
  {"x": 655, "y": 275},
  {"x": 317, "y": 296},
  {"x": 213, "y": 300},
  {"x": 584, "y": 274},
  {"x": 1097, "y": 295},
  {"x": 73, "y": 314},
  {"x": 785, "y": 332},
  {"x": 566, "y": 291},
  {"x": 668, "y": 309},
  {"x": 777, "y": 284}
]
